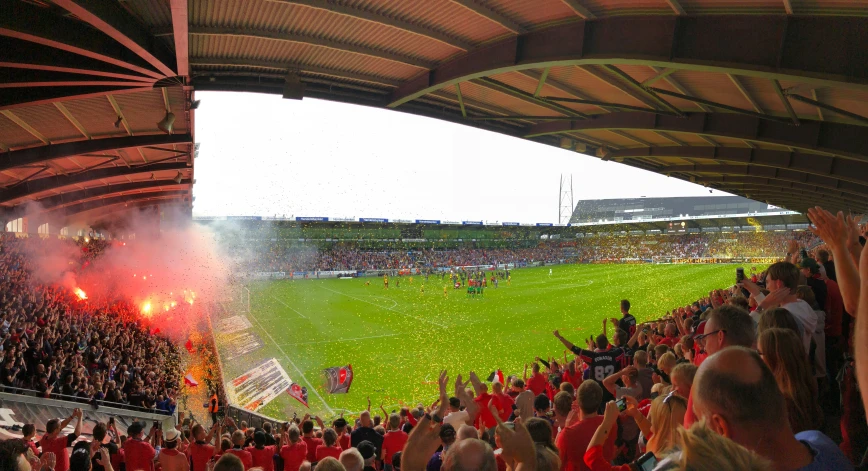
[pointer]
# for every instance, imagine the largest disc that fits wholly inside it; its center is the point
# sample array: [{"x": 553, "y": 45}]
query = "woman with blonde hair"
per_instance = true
[
  {"x": 661, "y": 431},
  {"x": 784, "y": 353},
  {"x": 701, "y": 449}
]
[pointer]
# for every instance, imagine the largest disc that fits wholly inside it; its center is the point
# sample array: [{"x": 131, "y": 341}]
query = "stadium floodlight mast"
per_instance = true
[{"x": 565, "y": 201}]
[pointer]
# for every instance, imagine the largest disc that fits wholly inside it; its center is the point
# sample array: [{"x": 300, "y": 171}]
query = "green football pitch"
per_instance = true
[{"x": 398, "y": 339}]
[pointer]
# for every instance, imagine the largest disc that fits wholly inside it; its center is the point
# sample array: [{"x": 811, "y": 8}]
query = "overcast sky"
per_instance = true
[{"x": 262, "y": 155}]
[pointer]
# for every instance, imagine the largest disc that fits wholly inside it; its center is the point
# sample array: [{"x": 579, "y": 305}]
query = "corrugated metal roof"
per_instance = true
[{"x": 237, "y": 47}]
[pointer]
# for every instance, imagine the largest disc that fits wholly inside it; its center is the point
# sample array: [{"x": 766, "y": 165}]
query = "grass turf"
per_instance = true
[{"x": 399, "y": 339}]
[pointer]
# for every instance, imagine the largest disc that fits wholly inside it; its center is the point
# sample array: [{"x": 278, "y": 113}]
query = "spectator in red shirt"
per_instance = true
[
  {"x": 29, "y": 431},
  {"x": 294, "y": 451},
  {"x": 340, "y": 426},
  {"x": 482, "y": 399},
  {"x": 309, "y": 438},
  {"x": 54, "y": 442},
  {"x": 138, "y": 452},
  {"x": 671, "y": 336},
  {"x": 229, "y": 462},
  {"x": 262, "y": 454},
  {"x": 329, "y": 447},
  {"x": 393, "y": 441},
  {"x": 201, "y": 450},
  {"x": 239, "y": 451},
  {"x": 573, "y": 440},
  {"x": 537, "y": 382},
  {"x": 504, "y": 401}
]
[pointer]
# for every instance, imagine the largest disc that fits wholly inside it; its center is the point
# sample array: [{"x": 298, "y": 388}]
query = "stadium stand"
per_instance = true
[{"x": 764, "y": 99}]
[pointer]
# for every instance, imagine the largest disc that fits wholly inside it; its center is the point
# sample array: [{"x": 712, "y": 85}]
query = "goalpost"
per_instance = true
[{"x": 245, "y": 299}]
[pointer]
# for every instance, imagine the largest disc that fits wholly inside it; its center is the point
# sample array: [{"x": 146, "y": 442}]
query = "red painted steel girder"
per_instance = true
[
  {"x": 845, "y": 140},
  {"x": 822, "y": 50},
  {"x": 36, "y": 155},
  {"x": 91, "y": 205},
  {"x": 53, "y": 203},
  {"x": 40, "y": 185}
]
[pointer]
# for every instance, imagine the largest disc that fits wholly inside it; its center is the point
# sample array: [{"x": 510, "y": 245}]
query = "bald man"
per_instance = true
[
  {"x": 737, "y": 395},
  {"x": 365, "y": 431},
  {"x": 471, "y": 453}
]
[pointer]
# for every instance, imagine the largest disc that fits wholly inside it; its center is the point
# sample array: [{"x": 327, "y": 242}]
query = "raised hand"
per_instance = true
[{"x": 422, "y": 443}]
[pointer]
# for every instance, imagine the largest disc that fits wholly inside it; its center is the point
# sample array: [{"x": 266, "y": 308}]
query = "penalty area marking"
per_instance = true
[
  {"x": 383, "y": 307},
  {"x": 310, "y": 386},
  {"x": 394, "y": 303},
  {"x": 288, "y": 306}
]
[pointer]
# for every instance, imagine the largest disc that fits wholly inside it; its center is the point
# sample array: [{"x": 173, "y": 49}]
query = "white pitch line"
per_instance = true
[
  {"x": 383, "y": 307},
  {"x": 288, "y": 306},
  {"x": 341, "y": 340},
  {"x": 310, "y": 386}
]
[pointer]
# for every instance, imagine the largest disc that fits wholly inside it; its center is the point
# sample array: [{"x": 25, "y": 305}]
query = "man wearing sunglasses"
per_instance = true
[{"x": 726, "y": 326}]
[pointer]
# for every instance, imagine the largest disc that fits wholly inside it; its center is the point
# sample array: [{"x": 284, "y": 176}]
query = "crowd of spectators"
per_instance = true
[
  {"x": 56, "y": 344},
  {"x": 749, "y": 377},
  {"x": 278, "y": 257}
]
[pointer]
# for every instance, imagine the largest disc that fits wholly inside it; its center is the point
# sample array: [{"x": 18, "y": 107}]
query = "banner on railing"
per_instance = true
[
  {"x": 239, "y": 344},
  {"x": 259, "y": 385},
  {"x": 233, "y": 324}
]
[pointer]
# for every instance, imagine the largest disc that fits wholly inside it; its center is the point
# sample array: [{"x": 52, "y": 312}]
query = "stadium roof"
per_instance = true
[{"x": 766, "y": 99}]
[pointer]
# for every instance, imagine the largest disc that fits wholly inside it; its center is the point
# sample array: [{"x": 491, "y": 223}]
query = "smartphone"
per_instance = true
[
  {"x": 803, "y": 253},
  {"x": 646, "y": 462},
  {"x": 739, "y": 275},
  {"x": 622, "y": 404},
  {"x": 111, "y": 420},
  {"x": 158, "y": 425},
  {"x": 645, "y": 330}
]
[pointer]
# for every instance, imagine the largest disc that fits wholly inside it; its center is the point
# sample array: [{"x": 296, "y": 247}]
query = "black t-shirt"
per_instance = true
[
  {"x": 113, "y": 450},
  {"x": 366, "y": 433},
  {"x": 628, "y": 324},
  {"x": 601, "y": 364}
]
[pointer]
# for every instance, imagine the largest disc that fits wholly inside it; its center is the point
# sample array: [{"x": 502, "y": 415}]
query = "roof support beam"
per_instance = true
[
  {"x": 581, "y": 10},
  {"x": 786, "y": 102},
  {"x": 382, "y": 19},
  {"x": 182, "y": 39},
  {"x": 111, "y": 19},
  {"x": 120, "y": 114},
  {"x": 649, "y": 92},
  {"x": 819, "y": 110},
  {"x": 522, "y": 95},
  {"x": 747, "y": 96},
  {"x": 568, "y": 89},
  {"x": 488, "y": 13},
  {"x": 793, "y": 48},
  {"x": 286, "y": 66},
  {"x": 639, "y": 94},
  {"x": 800, "y": 187},
  {"x": 750, "y": 170},
  {"x": 69, "y": 117},
  {"x": 65, "y": 199},
  {"x": 606, "y": 106},
  {"x": 23, "y": 125},
  {"x": 38, "y": 155},
  {"x": 844, "y": 140},
  {"x": 312, "y": 40},
  {"x": 101, "y": 203},
  {"x": 676, "y": 7},
  {"x": 25, "y": 22},
  {"x": 542, "y": 81},
  {"x": 660, "y": 75},
  {"x": 460, "y": 100},
  {"x": 32, "y": 187},
  {"x": 831, "y": 108},
  {"x": 717, "y": 105},
  {"x": 11, "y": 98}
]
